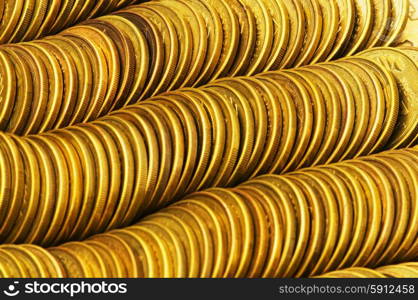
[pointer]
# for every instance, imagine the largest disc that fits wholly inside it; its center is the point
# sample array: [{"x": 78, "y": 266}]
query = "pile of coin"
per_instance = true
[
  {"x": 29, "y": 261},
  {"x": 404, "y": 270},
  {"x": 71, "y": 183},
  {"x": 106, "y": 63},
  {"x": 24, "y": 20},
  {"x": 361, "y": 212}
]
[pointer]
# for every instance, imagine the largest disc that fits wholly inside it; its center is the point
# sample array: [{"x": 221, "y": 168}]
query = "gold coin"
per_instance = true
[
  {"x": 86, "y": 257},
  {"x": 347, "y": 16},
  {"x": 281, "y": 28},
  {"x": 144, "y": 254},
  {"x": 214, "y": 39},
  {"x": 313, "y": 30},
  {"x": 329, "y": 198},
  {"x": 351, "y": 73},
  {"x": 166, "y": 151},
  {"x": 202, "y": 117},
  {"x": 186, "y": 236},
  {"x": 400, "y": 14},
  {"x": 333, "y": 112},
  {"x": 261, "y": 239},
  {"x": 15, "y": 202},
  {"x": 89, "y": 170},
  {"x": 62, "y": 187},
  {"x": 11, "y": 17},
  {"x": 177, "y": 140},
  {"x": 71, "y": 266},
  {"x": 135, "y": 35},
  {"x": 49, "y": 19},
  {"x": 40, "y": 95},
  {"x": 362, "y": 27},
  {"x": 272, "y": 97},
  {"x": 196, "y": 24},
  {"x": 264, "y": 35},
  {"x": 9, "y": 268},
  {"x": 409, "y": 240},
  {"x": 404, "y": 70},
  {"x": 5, "y": 183},
  {"x": 84, "y": 74},
  {"x": 409, "y": 36},
  {"x": 184, "y": 36},
  {"x": 159, "y": 247},
  {"x": 346, "y": 97},
  {"x": 126, "y": 55},
  {"x": 288, "y": 130},
  {"x": 231, "y": 31},
  {"x": 24, "y": 92},
  {"x": 24, "y": 261},
  {"x": 35, "y": 257},
  {"x": 396, "y": 169},
  {"x": 392, "y": 104},
  {"x": 114, "y": 267},
  {"x": 242, "y": 232},
  {"x": 31, "y": 194},
  {"x": 100, "y": 180},
  {"x": 330, "y": 23},
  {"x": 388, "y": 210},
  {"x": 191, "y": 140},
  {"x": 381, "y": 22},
  {"x": 75, "y": 193},
  {"x": 69, "y": 80},
  {"x": 170, "y": 44},
  {"x": 122, "y": 172},
  {"x": 55, "y": 84},
  {"x": 218, "y": 137},
  {"x": 202, "y": 234},
  {"x": 296, "y": 19},
  {"x": 124, "y": 253},
  {"x": 172, "y": 246},
  {"x": 304, "y": 119},
  {"x": 7, "y": 88},
  {"x": 206, "y": 214},
  {"x": 318, "y": 110},
  {"x": 111, "y": 172},
  {"x": 258, "y": 97},
  {"x": 143, "y": 136},
  {"x": 235, "y": 93},
  {"x": 374, "y": 202},
  {"x": 247, "y": 37},
  {"x": 318, "y": 224}
]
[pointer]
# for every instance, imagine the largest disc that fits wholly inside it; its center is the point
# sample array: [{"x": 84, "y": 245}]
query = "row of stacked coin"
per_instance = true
[
  {"x": 404, "y": 270},
  {"x": 88, "y": 70},
  {"x": 24, "y": 20},
  {"x": 71, "y": 183},
  {"x": 361, "y": 212}
]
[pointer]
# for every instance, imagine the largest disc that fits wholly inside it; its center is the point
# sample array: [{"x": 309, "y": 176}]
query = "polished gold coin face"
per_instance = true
[
  {"x": 409, "y": 36},
  {"x": 404, "y": 70}
]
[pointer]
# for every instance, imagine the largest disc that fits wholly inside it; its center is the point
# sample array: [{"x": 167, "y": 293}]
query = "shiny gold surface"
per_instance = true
[{"x": 208, "y": 138}]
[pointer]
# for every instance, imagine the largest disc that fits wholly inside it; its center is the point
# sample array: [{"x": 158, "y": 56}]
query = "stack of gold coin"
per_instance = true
[
  {"x": 29, "y": 261},
  {"x": 403, "y": 64},
  {"x": 359, "y": 213},
  {"x": 404, "y": 270},
  {"x": 24, "y": 20},
  {"x": 106, "y": 63},
  {"x": 70, "y": 183}
]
